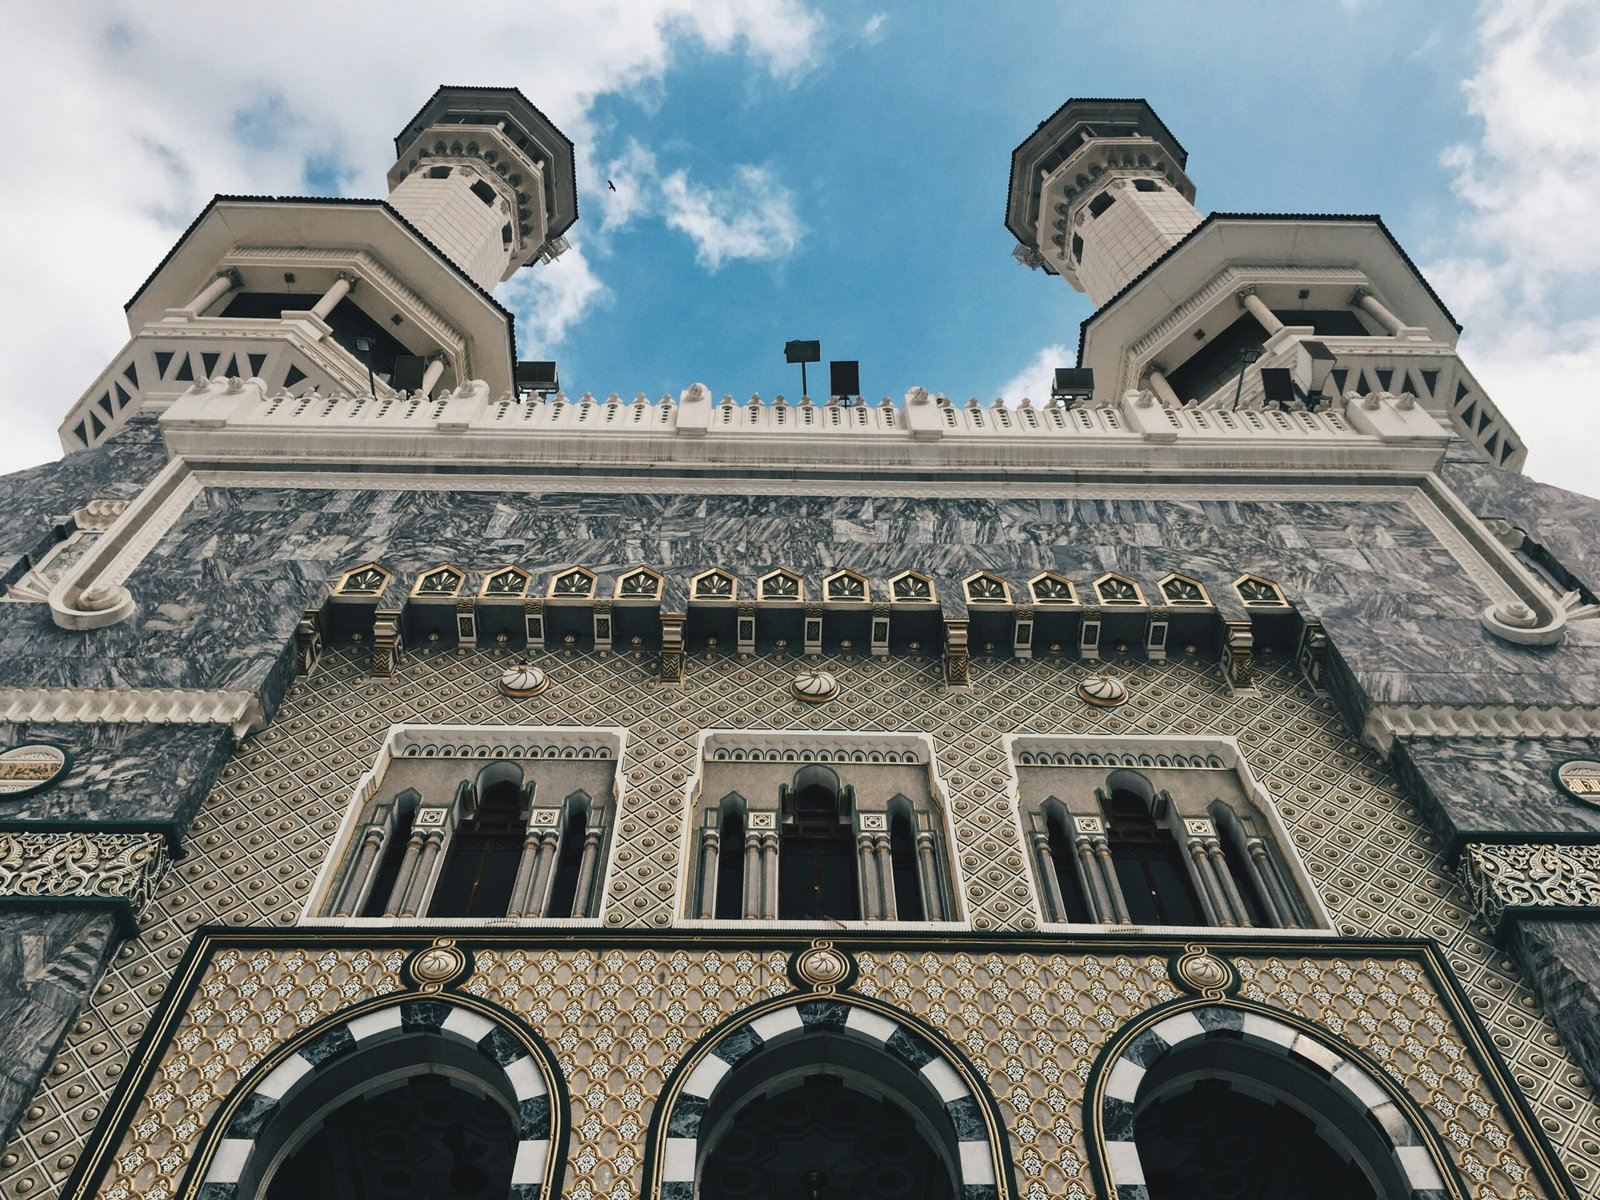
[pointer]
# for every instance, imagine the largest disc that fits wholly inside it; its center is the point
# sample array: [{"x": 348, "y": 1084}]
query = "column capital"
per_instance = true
[
  {"x": 1239, "y": 294},
  {"x": 231, "y": 274},
  {"x": 1359, "y": 294},
  {"x": 348, "y": 277}
]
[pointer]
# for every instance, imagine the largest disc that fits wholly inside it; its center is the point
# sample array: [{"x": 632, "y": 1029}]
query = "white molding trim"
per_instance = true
[
  {"x": 134, "y": 706},
  {"x": 1136, "y": 746},
  {"x": 476, "y": 744},
  {"x": 1386, "y": 722}
]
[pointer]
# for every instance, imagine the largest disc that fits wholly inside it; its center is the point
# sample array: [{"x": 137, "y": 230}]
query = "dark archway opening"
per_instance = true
[
  {"x": 817, "y": 876},
  {"x": 730, "y": 868},
  {"x": 569, "y": 865},
  {"x": 424, "y": 1138},
  {"x": 1223, "y": 1119},
  {"x": 1150, "y": 870},
  {"x": 820, "y": 1139},
  {"x": 481, "y": 866}
]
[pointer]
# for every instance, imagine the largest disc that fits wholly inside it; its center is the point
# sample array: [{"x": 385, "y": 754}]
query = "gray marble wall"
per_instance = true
[
  {"x": 152, "y": 774},
  {"x": 1562, "y": 959},
  {"x": 49, "y": 960},
  {"x": 1495, "y": 787}
]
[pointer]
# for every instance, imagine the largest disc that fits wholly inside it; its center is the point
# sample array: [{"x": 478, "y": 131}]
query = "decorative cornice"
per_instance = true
[
  {"x": 133, "y": 706},
  {"x": 1499, "y": 877},
  {"x": 1386, "y": 722},
  {"x": 121, "y": 868}
]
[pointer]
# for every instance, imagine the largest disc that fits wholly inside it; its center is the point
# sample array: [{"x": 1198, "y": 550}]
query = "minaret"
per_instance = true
[
  {"x": 1233, "y": 311},
  {"x": 1098, "y": 193},
  {"x": 486, "y": 178}
]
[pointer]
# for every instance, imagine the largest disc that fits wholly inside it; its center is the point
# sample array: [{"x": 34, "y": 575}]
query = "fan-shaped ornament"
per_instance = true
[
  {"x": 1103, "y": 691},
  {"x": 814, "y": 686},
  {"x": 523, "y": 679}
]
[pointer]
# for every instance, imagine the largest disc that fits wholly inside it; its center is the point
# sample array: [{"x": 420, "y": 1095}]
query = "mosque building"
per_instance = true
[{"x": 418, "y": 782}]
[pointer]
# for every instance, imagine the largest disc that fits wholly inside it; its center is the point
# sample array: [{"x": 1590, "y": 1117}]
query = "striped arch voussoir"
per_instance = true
[
  {"x": 1121, "y": 1076},
  {"x": 503, "y": 1051},
  {"x": 678, "y": 1142}
]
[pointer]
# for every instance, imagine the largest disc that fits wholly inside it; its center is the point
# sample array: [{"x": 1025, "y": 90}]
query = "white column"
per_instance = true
[
  {"x": 752, "y": 875},
  {"x": 1163, "y": 389},
  {"x": 431, "y": 377},
  {"x": 330, "y": 299},
  {"x": 867, "y": 874},
  {"x": 888, "y": 905},
  {"x": 710, "y": 839},
  {"x": 1205, "y": 885},
  {"x": 544, "y": 876},
  {"x": 219, "y": 287},
  {"x": 523, "y": 883},
  {"x": 361, "y": 871},
  {"x": 586, "y": 870},
  {"x": 427, "y": 855},
  {"x": 1047, "y": 875},
  {"x": 932, "y": 893},
  {"x": 1375, "y": 308},
  {"x": 769, "y": 875},
  {"x": 1253, "y": 304}
]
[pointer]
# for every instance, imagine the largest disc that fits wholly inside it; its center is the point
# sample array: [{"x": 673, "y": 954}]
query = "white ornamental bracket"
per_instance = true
[{"x": 463, "y": 407}]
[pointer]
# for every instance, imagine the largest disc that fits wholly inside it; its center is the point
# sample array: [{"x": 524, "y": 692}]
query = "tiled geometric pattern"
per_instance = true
[{"x": 261, "y": 837}]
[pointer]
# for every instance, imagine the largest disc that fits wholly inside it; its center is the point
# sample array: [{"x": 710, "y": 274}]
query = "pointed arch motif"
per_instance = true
[
  {"x": 780, "y": 585},
  {"x": 1050, "y": 588},
  {"x": 509, "y": 582},
  {"x": 715, "y": 585},
  {"x": 1115, "y": 1079},
  {"x": 443, "y": 582},
  {"x": 364, "y": 582},
  {"x": 505, "y": 1056},
  {"x": 575, "y": 583},
  {"x": 1183, "y": 590},
  {"x": 674, "y": 1145},
  {"x": 912, "y": 587},
  {"x": 846, "y": 587},
  {"x": 1112, "y": 588},
  {"x": 641, "y": 583},
  {"x": 1257, "y": 591},
  {"x": 986, "y": 588}
]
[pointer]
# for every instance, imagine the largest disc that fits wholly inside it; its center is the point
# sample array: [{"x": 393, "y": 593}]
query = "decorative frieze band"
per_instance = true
[
  {"x": 1498, "y": 877},
  {"x": 1386, "y": 722},
  {"x": 177, "y": 706},
  {"x": 82, "y": 865}
]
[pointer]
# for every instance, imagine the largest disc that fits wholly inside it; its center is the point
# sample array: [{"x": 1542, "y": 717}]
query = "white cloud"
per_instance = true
[
  {"x": 1035, "y": 379},
  {"x": 874, "y": 25},
  {"x": 142, "y": 112},
  {"x": 1529, "y": 243},
  {"x": 753, "y": 218},
  {"x": 551, "y": 300}
]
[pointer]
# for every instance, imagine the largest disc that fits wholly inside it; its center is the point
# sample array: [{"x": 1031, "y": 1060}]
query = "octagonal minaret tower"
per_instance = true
[
  {"x": 1098, "y": 193},
  {"x": 487, "y": 179}
]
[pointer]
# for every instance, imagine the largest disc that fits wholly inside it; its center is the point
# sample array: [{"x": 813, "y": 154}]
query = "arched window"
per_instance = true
[
  {"x": 421, "y": 1098},
  {"x": 569, "y": 864},
  {"x": 1149, "y": 865},
  {"x": 729, "y": 876},
  {"x": 1256, "y": 869},
  {"x": 480, "y": 867},
  {"x": 1222, "y": 1101},
  {"x": 1070, "y": 903},
  {"x": 818, "y": 877},
  {"x": 907, "y": 876},
  {"x": 380, "y": 896}
]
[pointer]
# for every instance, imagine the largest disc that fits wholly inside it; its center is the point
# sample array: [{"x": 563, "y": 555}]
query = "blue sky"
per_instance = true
[{"x": 835, "y": 171}]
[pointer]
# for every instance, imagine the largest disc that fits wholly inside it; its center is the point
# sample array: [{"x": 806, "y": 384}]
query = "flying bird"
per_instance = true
[{"x": 611, "y": 185}]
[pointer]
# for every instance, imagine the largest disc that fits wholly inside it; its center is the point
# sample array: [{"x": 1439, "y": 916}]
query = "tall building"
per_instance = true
[{"x": 418, "y": 782}]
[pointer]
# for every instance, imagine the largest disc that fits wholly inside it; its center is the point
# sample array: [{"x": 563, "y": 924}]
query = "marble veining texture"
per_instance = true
[
  {"x": 228, "y": 582},
  {"x": 1473, "y": 787},
  {"x": 149, "y": 773}
]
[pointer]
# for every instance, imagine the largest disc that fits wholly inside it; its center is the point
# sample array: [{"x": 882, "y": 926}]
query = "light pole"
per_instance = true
[{"x": 1246, "y": 357}]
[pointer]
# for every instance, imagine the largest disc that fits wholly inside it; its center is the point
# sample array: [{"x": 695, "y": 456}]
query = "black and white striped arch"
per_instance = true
[
  {"x": 1121, "y": 1077},
  {"x": 680, "y": 1149},
  {"x": 503, "y": 1053}
]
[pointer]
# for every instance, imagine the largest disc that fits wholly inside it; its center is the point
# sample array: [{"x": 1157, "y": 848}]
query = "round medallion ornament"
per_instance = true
[
  {"x": 441, "y": 963},
  {"x": 1203, "y": 972},
  {"x": 523, "y": 679},
  {"x": 814, "y": 687},
  {"x": 1577, "y": 777},
  {"x": 821, "y": 967},
  {"x": 1103, "y": 690},
  {"x": 31, "y": 767}
]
